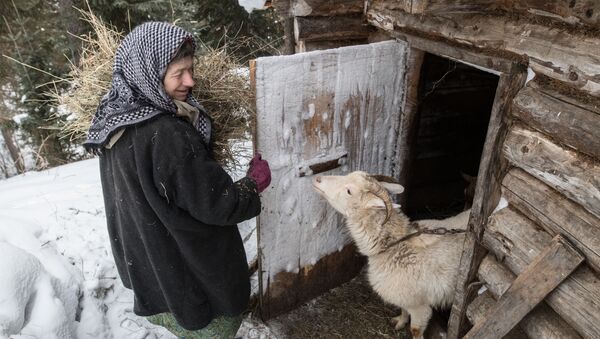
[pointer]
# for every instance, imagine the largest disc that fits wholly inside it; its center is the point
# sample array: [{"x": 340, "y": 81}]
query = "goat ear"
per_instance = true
[
  {"x": 375, "y": 202},
  {"x": 392, "y": 188}
]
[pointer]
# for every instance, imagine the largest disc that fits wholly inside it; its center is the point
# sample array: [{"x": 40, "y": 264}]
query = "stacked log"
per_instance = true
[
  {"x": 543, "y": 146},
  {"x": 319, "y": 24},
  {"x": 567, "y": 55}
]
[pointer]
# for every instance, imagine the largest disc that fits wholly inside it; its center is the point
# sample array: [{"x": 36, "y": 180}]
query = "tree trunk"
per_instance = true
[{"x": 15, "y": 154}]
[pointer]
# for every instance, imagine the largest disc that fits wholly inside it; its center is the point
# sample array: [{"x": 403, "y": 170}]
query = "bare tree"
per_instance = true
[{"x": 9, "y": 141}]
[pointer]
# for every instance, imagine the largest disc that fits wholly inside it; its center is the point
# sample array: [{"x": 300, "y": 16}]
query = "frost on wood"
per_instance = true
[{"x": 313, "y": 108}]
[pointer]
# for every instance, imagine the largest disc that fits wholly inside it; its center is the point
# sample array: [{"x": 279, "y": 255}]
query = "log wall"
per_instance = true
[
  {"x": 553, "y": 188},
  {"x": 552, "y": 141},
  {"x": 319, "y": 24},
  {"x": 566, "y": 55},
  {"x": 548, "y": 154}
]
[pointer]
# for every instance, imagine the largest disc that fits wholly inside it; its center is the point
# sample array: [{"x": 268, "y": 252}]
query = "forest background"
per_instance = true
[{"x": 40, "y": 39}]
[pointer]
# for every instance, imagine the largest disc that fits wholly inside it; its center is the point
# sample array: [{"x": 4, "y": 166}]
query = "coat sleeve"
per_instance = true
[{"x": 185, "y": 175}]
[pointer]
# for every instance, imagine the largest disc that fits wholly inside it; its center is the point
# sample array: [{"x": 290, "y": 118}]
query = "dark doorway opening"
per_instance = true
[{"x": 455, "y": 104}]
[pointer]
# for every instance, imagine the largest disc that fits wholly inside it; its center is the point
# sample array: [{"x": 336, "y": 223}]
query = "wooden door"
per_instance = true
[{"x": 332, "y": 112}]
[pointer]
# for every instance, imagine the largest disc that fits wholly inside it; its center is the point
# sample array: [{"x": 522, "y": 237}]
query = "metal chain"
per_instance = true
[
  {"x": 433, "y": 231},
  {"x": 441, "y": 231}
]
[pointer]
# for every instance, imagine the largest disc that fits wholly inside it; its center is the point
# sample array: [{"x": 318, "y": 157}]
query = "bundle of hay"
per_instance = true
[{"x": 222, "y": 87}]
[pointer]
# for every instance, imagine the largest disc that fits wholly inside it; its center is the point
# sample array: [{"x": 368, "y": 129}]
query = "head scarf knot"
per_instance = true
[{"x": 137, "y": 92}]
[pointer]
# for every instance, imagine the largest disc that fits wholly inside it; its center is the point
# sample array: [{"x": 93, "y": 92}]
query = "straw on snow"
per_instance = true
[{"x": 222, "y": 86}]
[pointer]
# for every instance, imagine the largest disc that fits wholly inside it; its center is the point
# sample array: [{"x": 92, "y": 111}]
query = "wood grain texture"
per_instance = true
[
  {"x": 312, "y": 108},
  {"x": 492, "y": 168},
  {"x": 331, "y": 28},
  {"x": 569, "y": 172},
  {"x": 325, "y": 7},
  {"x": 484, "y": 303},
  {"x": 445, "y": 7},
  {"x": 556, "y": 53},
  {"x": 516, "y": 241},
  {"x": 488, "y": 63},
  {"x": 554, "y": 212},
  {"x": 409, "y": 121},
  {"x": 542, "y": 322},
  {"x": 578, "y": 13},
  {"x": 480, "y": 306},
  {"x": 570, "y": 124},
  {"x": 544, "y": 273}
]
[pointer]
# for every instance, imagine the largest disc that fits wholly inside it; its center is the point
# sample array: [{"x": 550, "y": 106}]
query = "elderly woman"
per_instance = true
[{"x": 171, "y": 210}]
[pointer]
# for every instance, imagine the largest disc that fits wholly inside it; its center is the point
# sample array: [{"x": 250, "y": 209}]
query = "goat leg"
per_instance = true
[
  {"x": 400, "y": 321},
  {"x": 419, "y": 317}
]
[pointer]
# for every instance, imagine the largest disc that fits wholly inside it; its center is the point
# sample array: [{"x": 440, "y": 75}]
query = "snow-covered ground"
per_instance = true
[
  {"x": 250, "y": 5},
  {"x": 57, "y": 274}
]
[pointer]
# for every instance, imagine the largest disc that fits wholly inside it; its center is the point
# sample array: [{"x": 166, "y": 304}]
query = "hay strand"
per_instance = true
[{"x": 222, "y": 87}]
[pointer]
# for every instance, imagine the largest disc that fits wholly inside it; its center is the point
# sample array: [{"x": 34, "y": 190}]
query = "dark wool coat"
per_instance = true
[{"x": 171, "y": 212}]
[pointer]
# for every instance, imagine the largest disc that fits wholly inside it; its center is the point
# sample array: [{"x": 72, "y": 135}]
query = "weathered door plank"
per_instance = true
[{"x": 335, "y": 110}]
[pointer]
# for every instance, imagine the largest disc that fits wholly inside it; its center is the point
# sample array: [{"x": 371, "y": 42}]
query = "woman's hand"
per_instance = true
[{"x": 260, "y": 172}]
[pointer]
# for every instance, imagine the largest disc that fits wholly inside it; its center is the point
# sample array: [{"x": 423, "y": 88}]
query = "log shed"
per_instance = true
[{"x": 423, "y": 90}]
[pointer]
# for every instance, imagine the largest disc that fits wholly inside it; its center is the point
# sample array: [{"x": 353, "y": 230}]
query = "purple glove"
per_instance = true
[{"x": 260, "y": 172}]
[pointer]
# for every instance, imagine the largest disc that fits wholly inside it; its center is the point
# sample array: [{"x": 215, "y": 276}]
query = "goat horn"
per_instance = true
[{"x": 382, "y": 194}]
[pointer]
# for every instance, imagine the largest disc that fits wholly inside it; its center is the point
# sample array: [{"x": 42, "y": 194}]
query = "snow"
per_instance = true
[
  {"x": 250, "y": 5},
  {"x": 502, "y": 204},
  {"x": 58, "y": 276},
  {"x": 530, "y": 75}
]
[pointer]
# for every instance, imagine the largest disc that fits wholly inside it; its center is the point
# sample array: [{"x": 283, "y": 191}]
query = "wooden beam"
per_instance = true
[
  {"x": 555, "y": 212},
  {"x": 571, "y": 124},
  {"x": 570, "y": 95},
  {"x": 480, "y": 306},
  {"x": 445, "y": 7},
  {"x": 492, "y": 168},
  {"x": 567, "y": 171},
  {"x": 516, "y": 241},
  {"x": 331, "y": 28},
  {"x": 577, "y": 13},
  {"x": 308, "y": 46},
  {"x": 487, "y": 62},
  {"x": 326, "y": 7},
  {"x": 574, "y": 12},
  {"x": 540, "y": 277},
  {"x": 562, "y": 54},
  {"x": 410, "y": 116},
  {"x": 483, "y": 303},
  {"x": 542, "y": 322}
]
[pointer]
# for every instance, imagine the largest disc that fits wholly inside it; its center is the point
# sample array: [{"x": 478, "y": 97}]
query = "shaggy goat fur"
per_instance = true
[{"x": 416, "y": 274}]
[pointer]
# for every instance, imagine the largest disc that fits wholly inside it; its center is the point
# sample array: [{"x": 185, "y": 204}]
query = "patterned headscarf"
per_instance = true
[{"x": 137, "y": 92}]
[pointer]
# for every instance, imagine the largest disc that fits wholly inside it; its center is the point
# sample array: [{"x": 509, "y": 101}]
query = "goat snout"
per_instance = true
[{"x": 318, "y": 179}]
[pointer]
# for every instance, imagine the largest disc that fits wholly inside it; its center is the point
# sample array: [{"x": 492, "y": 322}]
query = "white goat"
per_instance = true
[{"x": 416, "y": 273}]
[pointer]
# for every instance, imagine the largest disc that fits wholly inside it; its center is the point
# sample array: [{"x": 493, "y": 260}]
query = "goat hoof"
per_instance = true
[{"x": 416, "y": 333}]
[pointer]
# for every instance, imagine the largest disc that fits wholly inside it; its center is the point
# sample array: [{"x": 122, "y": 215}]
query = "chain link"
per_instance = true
[
  {"x": 441, "y": 231},
  {"x": 434, "y": 231}
]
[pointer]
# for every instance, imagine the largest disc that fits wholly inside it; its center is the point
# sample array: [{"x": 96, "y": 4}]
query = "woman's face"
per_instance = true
[{"x": 179, "y": 78}]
